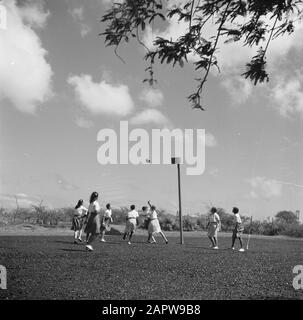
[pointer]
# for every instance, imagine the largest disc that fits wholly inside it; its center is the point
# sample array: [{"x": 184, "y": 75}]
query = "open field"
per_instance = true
[{"x": 52, "y": 267}]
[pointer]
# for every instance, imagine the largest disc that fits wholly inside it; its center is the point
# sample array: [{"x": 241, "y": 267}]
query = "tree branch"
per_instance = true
[{"x": 200, "y": 87}]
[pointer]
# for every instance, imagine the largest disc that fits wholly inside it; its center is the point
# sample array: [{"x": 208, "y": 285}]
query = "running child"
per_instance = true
[
  {"x": 146, "y": 214},
  {"x": 131, "y": 223},
  {"x": 105, "y": 222},
  {"x": 154, "y": 225}
]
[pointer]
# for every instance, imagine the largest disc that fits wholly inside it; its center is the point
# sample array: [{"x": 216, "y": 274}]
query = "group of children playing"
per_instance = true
[{"x": 91, "y": 222}]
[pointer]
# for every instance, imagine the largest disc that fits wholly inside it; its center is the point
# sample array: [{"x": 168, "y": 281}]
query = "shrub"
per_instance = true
[
  {"x": 190, "y": 223},
  {"x": 227, "y": 221},
  {"x": 285, "y": 223},
  {"x": 119, "y": 214},
  {"x": 202, "y": 222},
  {"x": 294, "y": 230},
  {"x": 167, "y": 223},
  {"x": 287, "y": 217}
]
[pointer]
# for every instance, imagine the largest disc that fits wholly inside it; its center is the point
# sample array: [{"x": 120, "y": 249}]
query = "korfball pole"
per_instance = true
[{"x": 249, "y": 233}]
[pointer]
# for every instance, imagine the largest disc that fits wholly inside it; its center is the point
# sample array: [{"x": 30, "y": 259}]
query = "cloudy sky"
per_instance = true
[{"x": 59, "y": 85}]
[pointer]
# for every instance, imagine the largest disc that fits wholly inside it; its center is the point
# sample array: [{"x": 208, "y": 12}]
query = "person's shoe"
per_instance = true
[
  {"x": 129, "y": 242},
  {"x": 89, "y": 247},
  {"x": 102, "y": 240},
  {"x": 80, "y": 240},
  {"x": 241, "y": 250},
  {"x": 165, "y": 242},
  {"x": 154, "y": 241},
  {"x": 232, "y": 248},
  {"x": 75, "y": 242},
  {"x": 216, "y": 247},
  {"x": 211, "y": 246}
]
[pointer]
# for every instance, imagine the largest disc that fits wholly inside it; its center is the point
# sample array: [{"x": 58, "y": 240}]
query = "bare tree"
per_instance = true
[{"x": 40, "y": 210}]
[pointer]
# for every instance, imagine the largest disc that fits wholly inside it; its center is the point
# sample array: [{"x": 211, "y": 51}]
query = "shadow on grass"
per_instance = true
[
  {"x": 207, "y": 248},
  {"x": 74, "y": 250},
  {"x": 113, "y": 232},
  {"x": 109, "y": 242},
  {"x": 65, "y": 242}
]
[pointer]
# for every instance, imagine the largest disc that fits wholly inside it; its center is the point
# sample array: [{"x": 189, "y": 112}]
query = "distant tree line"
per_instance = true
[{"x": 284, "y": 222}]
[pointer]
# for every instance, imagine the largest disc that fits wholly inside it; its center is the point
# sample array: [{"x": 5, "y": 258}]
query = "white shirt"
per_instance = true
[
  {"x": 108, "y": 213},
  {"x": 81, "y": 211},
  {"x": 94, "y": 206},
  {"x": 153, "y": 215},
  {"x": 214, "y": 217},
  {"x": 238, "y": 218},
  {"x": 132, "y": 214}
]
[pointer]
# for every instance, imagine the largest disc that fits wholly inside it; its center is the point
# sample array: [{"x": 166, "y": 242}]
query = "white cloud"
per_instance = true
[
  {"x": 152, "y": 97},
  {"x": 85, "y": 29},
  {"x": 110, "y": 2},
  {"x": 84, "y": 123},
  {"x": 253, "y": 195},
  {"x": 150, "y": 116},
  {"x": 213, "y": 172},
  {"x": 288, "y": 96},
  {"x": 265, "y": 188},
  {"x": 25, "y": 75},
  {"x": 210, "y": 140},
  {"x": 78, "y": 16},
  {"x": 77, "y": 13},
  {"x": 64, "y": 184},
  {"x": 21, "y": 195},
  {"x": 23, "y": 200},
  {"x": 238, "y": 88},
  {"x": 102, "y": 97},
  {"x": 35, "y": 15}
]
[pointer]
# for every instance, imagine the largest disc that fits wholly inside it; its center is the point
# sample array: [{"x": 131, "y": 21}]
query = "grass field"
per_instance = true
[{"x": 52, "y": 267}]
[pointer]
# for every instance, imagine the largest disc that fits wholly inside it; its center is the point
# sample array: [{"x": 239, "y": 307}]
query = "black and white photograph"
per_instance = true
[{"x": 151, "y": 151}]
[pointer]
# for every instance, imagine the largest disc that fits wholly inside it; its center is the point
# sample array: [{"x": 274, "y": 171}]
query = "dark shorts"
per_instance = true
[{"x": 105, "y": 224}]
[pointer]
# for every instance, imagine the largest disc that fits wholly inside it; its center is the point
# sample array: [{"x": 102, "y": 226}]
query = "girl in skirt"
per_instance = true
[
  {"x": 93, "y": 222},
  {"x": 238, "y": 230},
  {"x": 77, "y": 224},
  {"x": 213, "y": 227},
  {"x": 154, "y": 225},
  {"x": 106, "y": 220},
  {"x": 131, "y": 223},
  {"x": 146, "y": 214}
]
